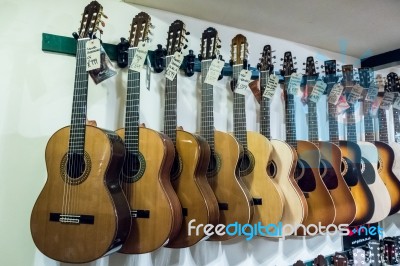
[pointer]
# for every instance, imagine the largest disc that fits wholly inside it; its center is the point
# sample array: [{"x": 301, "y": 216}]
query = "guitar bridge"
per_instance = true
[{"x": 71, "y": 218}]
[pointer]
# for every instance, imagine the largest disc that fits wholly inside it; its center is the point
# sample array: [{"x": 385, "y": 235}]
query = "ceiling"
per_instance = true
[{"x": 359, "y": 28}]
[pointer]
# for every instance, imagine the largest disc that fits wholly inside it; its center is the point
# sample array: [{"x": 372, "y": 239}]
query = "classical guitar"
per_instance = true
[
  {"x": 331, "y": 155},
  {"x": 188, "y": 173},
  {"x": 283, "y": 158},
  {"x": 155, "y": 208},
  {"x": 234, "y": 200},
  {"x": 81, "y": 214},
  {"x": 267, "y": 196},
  {"x": 351, "y": 161},
  {"x": 369, "y": 160},
  {"x": 321, "y": 208},
  {"x": 394, "y": 86}
]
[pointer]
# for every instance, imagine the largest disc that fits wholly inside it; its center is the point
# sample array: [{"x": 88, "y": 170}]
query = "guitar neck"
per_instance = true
[
  {"x": 170, "y": 117},
  {"x": 239, "y": 112},
  {"x": 207, "y": 107},
  {"x": 368, "y": 123},
  {"x": 290, "y": 118},
  {"x": 383, "y": 132},
  {"x": 79, "y": 102},
  {"x": 265, "y": 128},
  {"x": 333, "y": 124},
  {"x": 351, "y": 124},
  {"x": 396, "y": 119},
  {"x": 132, "y": 107}
]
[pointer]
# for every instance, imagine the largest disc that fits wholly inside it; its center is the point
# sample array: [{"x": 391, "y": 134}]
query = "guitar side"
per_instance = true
[
  {"x": 152, "y": 192},
  {"x": 97, "y": 195}
]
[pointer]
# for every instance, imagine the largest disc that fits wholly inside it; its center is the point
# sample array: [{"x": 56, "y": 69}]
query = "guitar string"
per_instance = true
[{"x": 239, "y": 114}]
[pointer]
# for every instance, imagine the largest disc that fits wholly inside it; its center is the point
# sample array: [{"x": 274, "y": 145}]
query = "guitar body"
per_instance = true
[
  {"x": 321, "y": 208},
  {"x": 195, "y": 194},
  {"x": 371, "y": 176},
  {"x": 385, "y": 165},
  {"x": 396, "y": 165},
  {"x": 331, "y": 156},
  {"x": 234, "y": 199},
  {"x": 263, "y": 189},
  {"x": 351, "y": 172},
  {"x": 282, "y": 165},
  {"x": 97, "y": 195},
  {"x": 152, "y": 192}
]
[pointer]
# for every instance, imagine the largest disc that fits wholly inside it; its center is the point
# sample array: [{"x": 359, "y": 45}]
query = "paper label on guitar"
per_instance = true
[
  {"x": 342, "y": 104},
  {"x": 294, "y": 83},
  {"x": 174, "y": 66},
  {"x": 372, "y": 93},
  {"x": 92, "y": 54},
  {"x": 387, "y": 100},
  {"x": 355, "y": 94},
  {"x": 271, "y": 86},
  {"x": 106, "y": 69},
  {"x": 335, "y": 94},
  {"x": 396, "y": 103},
  {"x": 243, "y": 81},
  {"x": 318, "y": 89},
  {"x": 140, "y": 56},
  {"x": 214, "y": 71},
  {"x": 375, "y": 106}
]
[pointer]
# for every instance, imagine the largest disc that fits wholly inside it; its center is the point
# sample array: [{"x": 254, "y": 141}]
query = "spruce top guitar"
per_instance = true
[
  {"x": 81, "y": 214},
  {"x": 394, "y": 85},
  {"x": 155, "y": 208},
  {"x": 189, "y": 170},
  {"x": 234, "y": 200},
  {"x": 283, "y": 158}
]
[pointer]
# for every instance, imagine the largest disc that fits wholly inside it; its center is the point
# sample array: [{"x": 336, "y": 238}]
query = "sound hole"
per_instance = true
[
  {"x": 246, "y": 164},
  {"x": 176, "y": 167},
  {"x": 349, "y": 172},
  {"x": 75, "y": 168},
  {"x": 304, "y": 176},
  {"x": 75, "y": 165},
  {"x": 271, "y": 169},
  {"x": 134, "y": 167},
  {"x": 214, "y": 165}
]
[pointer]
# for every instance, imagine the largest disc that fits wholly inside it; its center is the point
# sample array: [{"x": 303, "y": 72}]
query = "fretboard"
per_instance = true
[
  {"x": 383, "y": 132},
  {"x": 312, "y": 116},
  {"x": 290, "y": 118},
  {"x": 79, "y": 102},
  {"x": 207, "y": 107},
  {"x": 170, "y": 117},
  {"x": 351, "y": 124},
  {"x": 239, "y": 110},
  {"x": 333, "y": 124},
  {"x": 265, "y": 128},
  {"x": 396, "y": 119},
  {"x": 368, "y": 123},
  {"x": 132, "y": 107}
]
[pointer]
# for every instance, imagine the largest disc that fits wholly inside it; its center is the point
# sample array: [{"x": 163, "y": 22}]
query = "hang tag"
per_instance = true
[
  {"x": 106, "y": 69},
  {"x": 387, "y": 100},
  {"x": 396, "y": 104},
  {"x": 375, "y": 106},
  {"x": 294, "y": 83},
  {"x": 148, "y": 72},
  {"x": 243, "y": 81},
  {"x": 342, "y": 104},
  {"x": 318, "y": 89},
  {"x": 335, "y": 94},
  {"x": 93, "y": 54},
  {"x": 214, "y": 71},
  {"x": 140, "y": 56},
  {"x": 174, "y": 66},
  {"x": 372, "y": 93},
  {"x": 355, "y": 93},
  {"x": 271, "y": 86}
]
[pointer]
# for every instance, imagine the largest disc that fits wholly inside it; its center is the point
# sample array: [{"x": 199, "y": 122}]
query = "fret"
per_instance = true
[
  {"x": 368, "y": 123},
  {"x": 290, "y": 119},
  {"x": 265, "y": 126},
  {"x": 351, "y": 124},
  {"x": 333, "y": 124},
  {"x": 383, "y": 131},
  {"x": 239, "y": 110},
  {"x": 170, "y": 116},
  {"x": 207, "y": 108}
]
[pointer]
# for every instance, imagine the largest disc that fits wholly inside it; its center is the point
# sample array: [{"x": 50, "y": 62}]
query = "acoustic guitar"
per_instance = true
[
  {"x": 321, "y": 208},
  {"x": 81, "y": 214},
  {"x": 283, "y": 158},
  {"x": 369, "y": 153},
  {"x": 331, "y": 155},
  {"x": 188, "y": 173},
  {"x": 234, "y": 200},
  {"x": 394, "y": 86},
  {"x": 267, "y": 196},
  {"x": 155, "y": 208},
  {"x": 351, "y": 161}
]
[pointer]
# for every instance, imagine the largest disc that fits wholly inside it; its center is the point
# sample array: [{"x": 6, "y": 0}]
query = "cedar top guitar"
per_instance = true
[
  {"x": 234, "y": 200},
  {"x": 283, "y": 158},
  {"x": 320, "y": 204},
  {"x": 267, "y": 196},
  {"x": 189, "y": 170},
  {"x": 351, "y": 162},
  {"x": 81, "y": 214},
  {"x": 330, "y": 158},
  {"x": 155, "y": 208}
]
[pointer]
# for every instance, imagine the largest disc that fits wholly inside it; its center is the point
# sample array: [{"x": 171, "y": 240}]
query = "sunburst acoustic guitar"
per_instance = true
[
  {"x": 155, "y": 208},
  {"x": 81, "y": 214}
]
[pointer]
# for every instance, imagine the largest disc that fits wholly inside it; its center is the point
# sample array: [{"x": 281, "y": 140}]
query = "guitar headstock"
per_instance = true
[
  {"x": 288, "y": 65},
  {"x": 331, "y": 77},
  {"x": 320, "y": 261},
  {"x": 266, "y": 63},
  {"x": 176, "y": 40},
  {"x": 340, "y": 260},
  {"x": 299, "y": 263},
  {"x": 390, "y": 251},
  {"x": 210, "y": 44},
  {"x": 348, "y": 77},
  {"x": 360, "y": 256},
  {"x": 239, "y": 50},
  {"x": 310, "y": 69},
  {"x": 393, "y": 82},
  {"x": 91, "y": 20},
  {"x": 365, "y": 74},
  {"x": 375, "y": 252},
  {"x": 140, "y": 29}
]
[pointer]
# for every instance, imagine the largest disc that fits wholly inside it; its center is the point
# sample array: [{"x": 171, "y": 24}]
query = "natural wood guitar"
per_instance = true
[
  {"x": 81, "y": 214},
  {"x": 155, "y": 208}
]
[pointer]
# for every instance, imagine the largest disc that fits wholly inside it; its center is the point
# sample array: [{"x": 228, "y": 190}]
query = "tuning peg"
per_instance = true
[
  {"x": 281, "y": 64},
  {"x": 274, "y": 57},
  {"x": 281, "y": 59},
  {"x": 273, "y": 51},
  {"x": 294, "y": 58},
  {"x": 75, "y": 35},
  {"x": 151, "y": 26},
  {"x": 322, "y": 66},
  {"x": 295, "y": 63},
  {"x": 304, "y": 63},
  {"x": 187, "y": 33},
  {"x": 104, "y": 15},
  {"x": 316, "y": 62},
  {"x": 102, "y": 23}
]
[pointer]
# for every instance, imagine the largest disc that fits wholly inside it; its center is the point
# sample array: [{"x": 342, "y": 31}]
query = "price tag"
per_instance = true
[
  {"x": 342, "y": 104},
  {"x": 318, "y": 89},
  {"x": 174, "y": 66},
  {"x": 375, "y": 106},
  {"x": 372, "y": 93},
  {"x": 396, "y": 104},
  {"x": 387, "y": 100},
  {"x": 93, "y": 54},
  {"x": 271, "y": 86},
  {"x": 335, "y": 94},
  {"x": 140, "y": 56},
  {"x": 214, "y": 71},
  {"x": 243, "y": 81},
  {"x": 294, "y": 83},
  {"x": 355, "y": 94}
]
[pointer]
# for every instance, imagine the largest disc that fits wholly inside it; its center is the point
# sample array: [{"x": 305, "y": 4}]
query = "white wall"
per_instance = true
[{"x": 36, "y": 101}]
